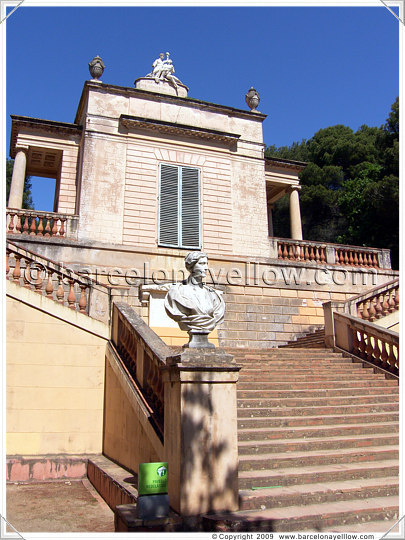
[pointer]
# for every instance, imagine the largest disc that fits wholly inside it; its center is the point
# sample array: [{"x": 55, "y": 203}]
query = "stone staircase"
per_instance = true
[
  {"x": 318, "y": 443},
  {"x": 313, "y": 340}
]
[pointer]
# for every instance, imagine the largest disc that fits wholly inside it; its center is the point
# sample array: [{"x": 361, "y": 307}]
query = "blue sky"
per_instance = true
[{"x": 312, "y": 66}]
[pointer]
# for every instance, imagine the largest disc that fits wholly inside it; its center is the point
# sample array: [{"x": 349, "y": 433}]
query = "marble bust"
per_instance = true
[{"x": 196, "y": 307}]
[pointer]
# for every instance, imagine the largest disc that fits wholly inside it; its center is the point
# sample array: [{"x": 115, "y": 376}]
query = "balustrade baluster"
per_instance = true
[
  {"x": 18, "y": 224},
  {"x": 323, "y": 255},
  {"x": 17, "y": 268},
  {"x": 396, "y": 298},
  {"x": 360, "y": 258},
  {"x": 71, "y": 296},
  {"x": 351, "y": 259},
  {"x": 355, "y": 259},
  {"x": 47, "y": 226},
  {"x": 83, "y": 299},
  {"x": 7, "y": 263},
  {"x": 27, "y": 274},
  {"x": 311, "y": 254},
  {"x": 378, "y": 307},
  {"x": 297, "y": 252},
  {"x": 362, "y": 344},
  {"x": 356, "y": 342},
  {"x": 40, "y": 226},
  {"x": 376, "y": 352},
  {"x": 369, "y": 348},
  {"x": 385, "y": 306},
  {"x": 60, "y": 293},
  {"x": 365, "y": 315},
  {"x": 49, "y": 285},
  {"x": 291, "y": 255},
  {"x": 346, "y": 257},
  {"x": 38, "y": 282},
  {"x": 360, "y": 309},
  {"x": 317, "y": 256},
  {"x": 54, "y": 226},
  {"x": 285, "y": 252},
  {"x": 375, "y": 260},
  {"x": 11, "y": 223},
  {"x": 306, "y": 254},
  {"x": 62, "y": 227},
  {"x": 384, "y": 354},
  {"x": 391, "y": 302},
  {"x": 33, "y": 228},
  {"x": 337, "y": 256},
  {"x": 302, "y": 256},
  {"x": 391, "y": 357},
  {"x": 279, "y": 251},
  {"x": 26, "y": 226},
  {"x": 371, "y": 311}
]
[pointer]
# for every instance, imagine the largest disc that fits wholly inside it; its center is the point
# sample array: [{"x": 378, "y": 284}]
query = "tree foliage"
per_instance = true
[
  {"x": 27, "y": 195},
  {"x": 350, "y": 187}
]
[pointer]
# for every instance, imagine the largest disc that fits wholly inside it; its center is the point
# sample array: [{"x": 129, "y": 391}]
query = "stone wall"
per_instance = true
[
  {"x": 268, "y": 301},
  {"x": 55, "y": 377}
]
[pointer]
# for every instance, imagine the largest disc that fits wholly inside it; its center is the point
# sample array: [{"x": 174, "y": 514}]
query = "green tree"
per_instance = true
[
  {"x": 350, "y": 188},
  {"x": 27, "y": 195}
]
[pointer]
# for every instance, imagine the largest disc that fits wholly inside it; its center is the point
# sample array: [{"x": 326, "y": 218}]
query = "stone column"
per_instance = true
[
  {"x": 295, "y": 213},
  {"x": 200, "y": 431},
  {"x": 270, "y": 219},
  {"x": 15, "y": 198}
]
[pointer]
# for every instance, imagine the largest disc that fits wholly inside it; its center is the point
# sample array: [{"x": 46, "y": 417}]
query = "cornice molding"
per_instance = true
[{"x": 137, "y": 122}]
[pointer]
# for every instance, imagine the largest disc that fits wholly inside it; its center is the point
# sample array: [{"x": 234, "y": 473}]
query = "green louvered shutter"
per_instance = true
[
  {"x": 169, "y": 206},
  {"x": 179, "y": 207},
  {"x": 190, "y": 207}
]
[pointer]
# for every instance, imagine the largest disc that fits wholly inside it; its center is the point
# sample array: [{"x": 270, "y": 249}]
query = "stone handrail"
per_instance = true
[
  {"x": 50, "y": 279},
  {"x": 144, "y": 355},
  {"x": 376, "y": 303},
  {"x": 325, "y": 253},
  {"x": 367, "y": 341},
  {"x": 370, "y": 306},
  {"x": 38, "y": 223}
]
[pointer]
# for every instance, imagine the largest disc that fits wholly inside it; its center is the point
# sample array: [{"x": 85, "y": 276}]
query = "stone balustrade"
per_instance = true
[
  {"x": 376, "y": 303},
  {"x": 367, "y": 341},
  {"x": 144, "y": 355},
  {"x": 184, "y": 403},
  {"x": 324, "y": 253},
  {"x": 37, "y": 223},
  {"x": 57, "y": 283}
]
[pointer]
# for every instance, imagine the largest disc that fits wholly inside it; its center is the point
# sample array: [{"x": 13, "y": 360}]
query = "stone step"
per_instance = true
[
  {"x": 277, "y": 376},
  {"x": 296, "y": 421},
  {"x": 355, "y": 369},
  {"x": 254, "y": 462},
  {"x": 328, "y": 392},
  {"x": 337, "y": 430},
  {"x": 281, "y": 403},
  {"x": 294, "y": 445},
  {"x": 300, "y": 518},
  {"x": 250, "y": 412},
  {"x": 308, "y": 494},
  {"x": 314, "y": 474},
  {"x": 307, "y": 385}
]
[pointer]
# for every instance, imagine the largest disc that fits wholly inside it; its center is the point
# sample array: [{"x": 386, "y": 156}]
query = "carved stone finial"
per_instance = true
[
  {"x": 96, "y": 68},
  {"x": 252, "y": 99},
  {"x": 195, "y": 307}
]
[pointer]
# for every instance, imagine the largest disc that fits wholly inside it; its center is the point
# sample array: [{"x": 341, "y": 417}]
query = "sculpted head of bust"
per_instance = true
[{"x": 196, "y": 263}]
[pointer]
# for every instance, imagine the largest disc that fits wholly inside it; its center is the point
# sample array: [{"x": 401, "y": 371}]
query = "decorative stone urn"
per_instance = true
[
  {"x": 96, "y": 68},
  {"x": 252, "y": 99}
]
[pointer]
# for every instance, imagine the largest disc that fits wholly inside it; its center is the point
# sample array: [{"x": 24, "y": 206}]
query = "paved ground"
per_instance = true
[{"x": 58, "y": 506}]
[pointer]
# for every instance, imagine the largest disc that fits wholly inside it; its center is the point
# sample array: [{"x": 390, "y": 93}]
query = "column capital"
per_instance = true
[
  {"x": 22, "y": 148},
  {"x": 293, "y": 188}
]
